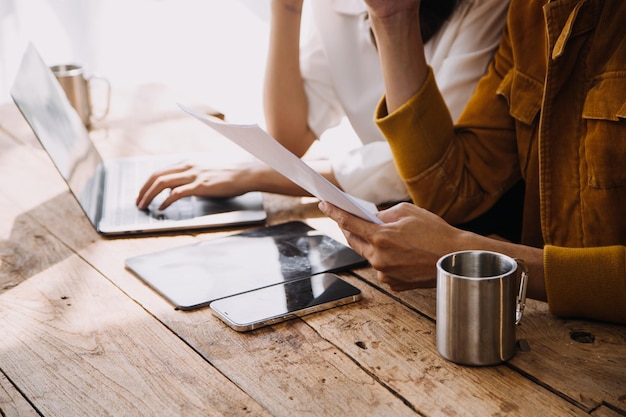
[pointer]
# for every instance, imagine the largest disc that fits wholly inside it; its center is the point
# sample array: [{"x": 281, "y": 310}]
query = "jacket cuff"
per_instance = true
[{"x": 586, "y": 282}]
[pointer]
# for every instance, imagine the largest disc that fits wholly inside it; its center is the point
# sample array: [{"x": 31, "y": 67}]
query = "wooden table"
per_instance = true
[{"x": 81, "y": 336}]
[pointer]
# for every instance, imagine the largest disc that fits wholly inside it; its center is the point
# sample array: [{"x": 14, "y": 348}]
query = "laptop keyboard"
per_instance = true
[{"x": 124, "y": 180}]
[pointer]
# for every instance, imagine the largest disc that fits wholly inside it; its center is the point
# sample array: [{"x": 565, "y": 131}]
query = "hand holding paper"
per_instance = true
[{"x": 260, "y": 144}]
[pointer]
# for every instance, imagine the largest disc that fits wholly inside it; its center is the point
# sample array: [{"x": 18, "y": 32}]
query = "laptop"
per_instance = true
[{"x": 106, "y": 190}]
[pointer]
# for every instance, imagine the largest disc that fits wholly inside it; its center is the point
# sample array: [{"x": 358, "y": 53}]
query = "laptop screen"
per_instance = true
[{"x": 44, "y": 105}]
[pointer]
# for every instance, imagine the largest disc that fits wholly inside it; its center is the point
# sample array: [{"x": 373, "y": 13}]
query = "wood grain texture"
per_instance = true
[
  {"x": 70, "y": 358},
  {"x": 81, "y": 335},
  {"x": 397, "y": 344},
  {"x": 578, "y": 359},
  {"x": 12, "y": 403},
  {"x": 74, "y": 344}
]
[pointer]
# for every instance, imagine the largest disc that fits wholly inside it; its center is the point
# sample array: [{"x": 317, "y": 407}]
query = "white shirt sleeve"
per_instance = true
[
  {"x": 459, "y": 55},
  {"x": 369, "y": 173},
  {"x": 324, "y": 108}
]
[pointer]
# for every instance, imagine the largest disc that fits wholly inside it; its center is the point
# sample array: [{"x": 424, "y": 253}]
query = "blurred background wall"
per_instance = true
[{"x": 212, "y": 49}]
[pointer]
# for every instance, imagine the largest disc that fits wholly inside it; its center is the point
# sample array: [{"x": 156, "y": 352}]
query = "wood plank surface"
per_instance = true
[
  {"x": 76, "y": 345},
  {"x": 76, "y": 321},
  {"x": 12, "y": 403},
  {"x": 604, "y": 411},
  {"x": 397, "y": 344},
  {"x": 284, "y": 371},
  {"x": 299, "y": 360},
  {"x": 576, "y": 358},
  {"x": 71, "y": 359},
  {"x": 294, "y": 350}
]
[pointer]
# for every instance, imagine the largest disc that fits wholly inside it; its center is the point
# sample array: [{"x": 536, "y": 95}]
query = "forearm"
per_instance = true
[
  {"x": 284, "y": 98},
  {"x": 462, "y": 161},
  {"x": 401, "y": 51},
  {"x": 260, "y": 177}
]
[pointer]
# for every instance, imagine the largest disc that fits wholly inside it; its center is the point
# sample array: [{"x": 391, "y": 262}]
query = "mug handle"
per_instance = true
[
  {"x": 521, "y": 297},
  {"x": 108, "y": 96}
]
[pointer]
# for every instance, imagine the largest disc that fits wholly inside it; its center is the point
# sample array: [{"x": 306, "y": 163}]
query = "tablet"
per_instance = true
[{"x": 192, "y": 276}]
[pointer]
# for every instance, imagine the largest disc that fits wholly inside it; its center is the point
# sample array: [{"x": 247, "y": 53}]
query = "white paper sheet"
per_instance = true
[{"x": 260, "y": 144}]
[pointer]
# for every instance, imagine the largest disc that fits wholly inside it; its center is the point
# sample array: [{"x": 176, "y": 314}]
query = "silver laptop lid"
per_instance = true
[{"x": 59, "y": 129}]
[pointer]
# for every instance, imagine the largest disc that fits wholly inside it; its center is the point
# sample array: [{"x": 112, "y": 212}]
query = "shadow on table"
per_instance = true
[{"x": 32, "y": 247}]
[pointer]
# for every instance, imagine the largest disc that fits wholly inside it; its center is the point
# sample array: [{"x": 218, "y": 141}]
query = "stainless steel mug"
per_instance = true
[
  {"x": 78, "y": 87},
  {"x": 479, "y": 305}
]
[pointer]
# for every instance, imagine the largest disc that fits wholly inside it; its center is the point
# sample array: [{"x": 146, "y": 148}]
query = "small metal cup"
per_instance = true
[
  {"x": 77, "y": 87},
  {"x": 479, "y": 305}
]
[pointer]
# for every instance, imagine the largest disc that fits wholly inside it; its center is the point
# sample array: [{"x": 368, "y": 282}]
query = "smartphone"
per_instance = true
[{"x": 276, "y": 303}]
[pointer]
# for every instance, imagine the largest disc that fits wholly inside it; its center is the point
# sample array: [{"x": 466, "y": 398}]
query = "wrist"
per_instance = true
[
  {"x": 396, "y": 29},
  {"x": 290, "y": 6},
  {"x": 394, "y": 19},
  {"x": 257, "y": 176}
]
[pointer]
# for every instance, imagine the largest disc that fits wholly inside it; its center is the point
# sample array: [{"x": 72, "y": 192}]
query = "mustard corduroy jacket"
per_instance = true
[{"x": 551, "y": 109}]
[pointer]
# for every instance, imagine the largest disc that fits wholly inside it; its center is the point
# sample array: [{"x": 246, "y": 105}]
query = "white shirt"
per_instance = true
[{"x": 343, "y": 78}]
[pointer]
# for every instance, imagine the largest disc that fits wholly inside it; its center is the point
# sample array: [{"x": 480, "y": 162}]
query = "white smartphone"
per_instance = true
[{"x": 276, "y": 303}]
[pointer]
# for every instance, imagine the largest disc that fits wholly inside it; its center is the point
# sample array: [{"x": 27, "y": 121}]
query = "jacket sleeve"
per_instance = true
[
  {"x": 457, "y": 172},
  {"x": 571, "y": 292}
]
